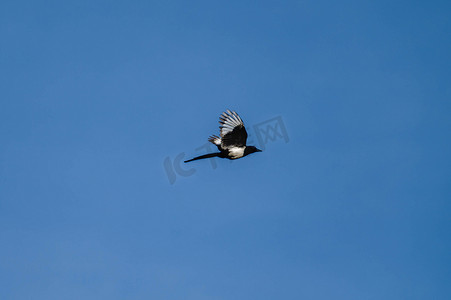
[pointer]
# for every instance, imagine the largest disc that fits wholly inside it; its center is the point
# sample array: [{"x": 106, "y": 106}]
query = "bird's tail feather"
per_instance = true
[{"x": 204, "y": 156}]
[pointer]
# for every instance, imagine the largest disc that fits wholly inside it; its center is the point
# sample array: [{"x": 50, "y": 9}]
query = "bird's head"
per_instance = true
[{"x": 251, "y": 149}]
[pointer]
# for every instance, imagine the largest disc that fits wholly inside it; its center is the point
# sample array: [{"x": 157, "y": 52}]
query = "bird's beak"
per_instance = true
[{"x": 258, "y": 150}]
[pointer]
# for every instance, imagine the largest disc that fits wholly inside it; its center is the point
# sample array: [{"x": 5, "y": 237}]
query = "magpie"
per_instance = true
[{"x": 231, "y": 141}]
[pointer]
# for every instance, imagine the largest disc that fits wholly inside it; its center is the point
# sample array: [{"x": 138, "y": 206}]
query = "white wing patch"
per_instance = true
[
  {"x": 229, "y": 120},
  {"x": 215, "y": 140},
  {"x": 236, "y": 152}
]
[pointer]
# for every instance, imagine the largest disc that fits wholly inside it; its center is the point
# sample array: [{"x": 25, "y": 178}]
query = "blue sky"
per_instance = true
[{"x": 95, "y": 95}]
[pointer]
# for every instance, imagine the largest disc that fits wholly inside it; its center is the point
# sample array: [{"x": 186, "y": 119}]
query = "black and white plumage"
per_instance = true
[{"x": 231, "y": 141}]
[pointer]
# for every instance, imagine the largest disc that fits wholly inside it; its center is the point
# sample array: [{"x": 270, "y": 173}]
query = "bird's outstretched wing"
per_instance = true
[{"x": 232, "y": 131}]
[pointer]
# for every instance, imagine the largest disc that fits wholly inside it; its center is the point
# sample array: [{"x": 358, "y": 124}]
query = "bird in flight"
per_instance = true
[{"x": 231, "y": 141}]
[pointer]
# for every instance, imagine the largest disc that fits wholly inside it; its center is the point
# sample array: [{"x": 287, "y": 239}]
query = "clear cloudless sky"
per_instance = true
[{"x": 95, "y": 95}]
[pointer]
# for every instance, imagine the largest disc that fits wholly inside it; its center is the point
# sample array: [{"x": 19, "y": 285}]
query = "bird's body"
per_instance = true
[
  {"x": 236, "y": 152},
  {"x": 231, "y": 141}
]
